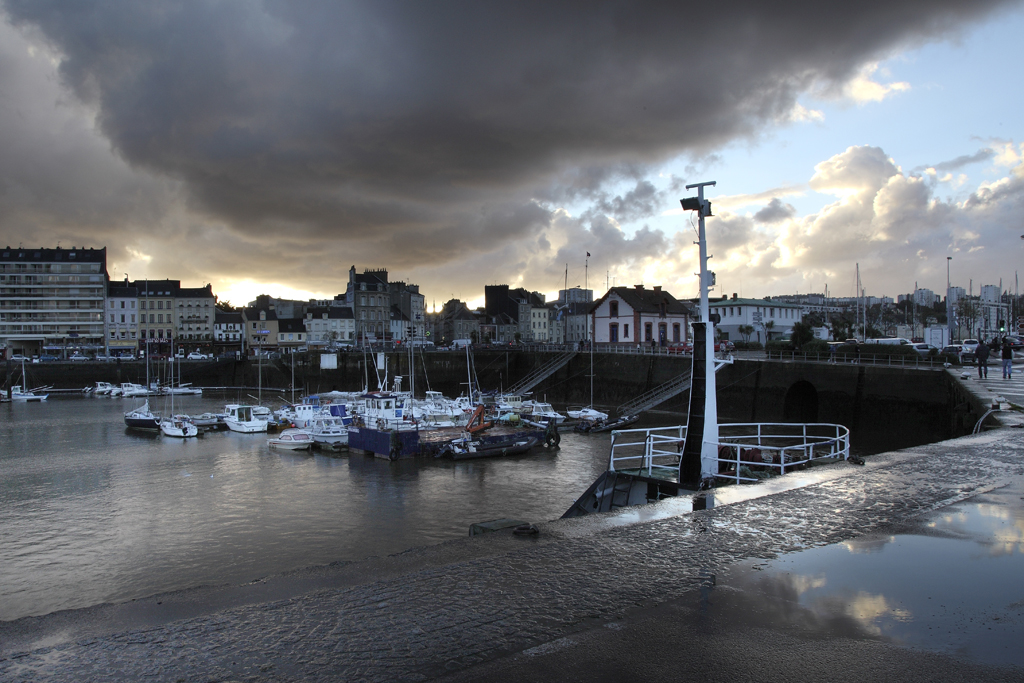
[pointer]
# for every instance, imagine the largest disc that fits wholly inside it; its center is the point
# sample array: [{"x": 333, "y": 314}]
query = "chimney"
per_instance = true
[
  {"x": 657, "y": 288},
  {"x": 638, "y": 288},
  {"x": 734, "y": 296}
]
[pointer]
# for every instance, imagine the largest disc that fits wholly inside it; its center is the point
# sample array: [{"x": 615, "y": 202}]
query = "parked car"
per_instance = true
[
  {"x": 78, "y": 356},
  {"x": 681, "y": 348},
  {"x": 195, "y": 355},
  {"x": 19, "y": 358},
  {"x": 952, "y": 350},
  {"x": 46, "y": 358},
  {"x": 923, "y": 349}
]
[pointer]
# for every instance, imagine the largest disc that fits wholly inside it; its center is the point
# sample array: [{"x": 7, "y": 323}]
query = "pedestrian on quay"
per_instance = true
[
  {"x": 832, "y": 350},
  {"x": 1007, "y": 359},
  {"x": 981, "y": 353}
]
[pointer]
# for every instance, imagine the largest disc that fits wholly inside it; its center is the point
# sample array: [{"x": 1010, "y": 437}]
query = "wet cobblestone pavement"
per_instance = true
[{"x": 480, "y": 600}]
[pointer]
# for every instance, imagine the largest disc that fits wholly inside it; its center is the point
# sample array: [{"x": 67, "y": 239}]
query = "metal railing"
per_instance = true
[{"x": 657, "y": 452}]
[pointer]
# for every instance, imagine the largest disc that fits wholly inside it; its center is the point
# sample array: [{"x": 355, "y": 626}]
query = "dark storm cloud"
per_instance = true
[
  {"x": 775, "y": 211},
  {"x": 438, "y": 130}
]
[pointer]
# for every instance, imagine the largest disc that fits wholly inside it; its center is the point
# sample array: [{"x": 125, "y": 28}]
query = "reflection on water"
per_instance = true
[
  {"x": 90, "y": 512},
  {"x": 956, "y": 590}
]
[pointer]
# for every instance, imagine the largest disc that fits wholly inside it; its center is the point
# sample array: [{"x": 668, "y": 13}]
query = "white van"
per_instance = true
[
  {"x": 889, "y": 340},
  {"x": 461, "y": 343}
]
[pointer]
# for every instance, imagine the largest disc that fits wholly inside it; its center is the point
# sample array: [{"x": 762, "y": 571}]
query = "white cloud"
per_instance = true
[{"x": 862, "y": 88}]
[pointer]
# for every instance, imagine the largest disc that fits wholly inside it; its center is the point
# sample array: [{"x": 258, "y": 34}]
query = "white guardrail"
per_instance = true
[{"x": 656, "y": 452}]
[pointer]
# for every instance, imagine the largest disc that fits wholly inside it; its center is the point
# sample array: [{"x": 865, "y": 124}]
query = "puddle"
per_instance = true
[{"x": 955, "y": 585}]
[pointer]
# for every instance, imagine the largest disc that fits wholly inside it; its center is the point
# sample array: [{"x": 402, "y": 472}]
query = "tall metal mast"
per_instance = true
[{"x": 709, "y": 438}]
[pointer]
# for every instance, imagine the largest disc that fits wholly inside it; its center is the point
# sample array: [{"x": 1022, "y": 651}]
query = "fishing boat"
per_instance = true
[
  {"x": 292, "y": 439},
  {"x": 239, "y": 417},
  {"x": 18, "y": 394}
]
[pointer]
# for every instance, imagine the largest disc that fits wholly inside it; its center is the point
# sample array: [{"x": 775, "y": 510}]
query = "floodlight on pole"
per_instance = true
[{"x": 708, "y": 449}]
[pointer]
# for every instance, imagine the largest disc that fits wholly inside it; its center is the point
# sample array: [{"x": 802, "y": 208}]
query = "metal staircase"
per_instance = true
[
  {"x": 657, "y": 395},
  {"x": 541, "y": 373}
]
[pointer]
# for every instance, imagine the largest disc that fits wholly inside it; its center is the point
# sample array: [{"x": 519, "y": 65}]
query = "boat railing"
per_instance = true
[
  {"x": 743, "y": 448},
  {"x": 652, "y": 452}
]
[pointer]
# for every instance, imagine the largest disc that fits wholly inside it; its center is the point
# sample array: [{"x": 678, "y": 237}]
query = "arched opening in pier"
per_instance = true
[{"x": 801, "y": 404}]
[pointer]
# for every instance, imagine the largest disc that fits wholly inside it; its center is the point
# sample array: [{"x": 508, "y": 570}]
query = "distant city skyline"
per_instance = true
[{"x": 267, "y": 148}]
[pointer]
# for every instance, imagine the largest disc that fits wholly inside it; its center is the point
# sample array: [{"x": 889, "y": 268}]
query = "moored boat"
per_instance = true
[
  {"x": 19, "y": 394},
  {"x": 179, "y": 426},
  {"x": 291, "y": 439},
  {"x": 142, "y": 418},
  {"x": 239, "y": 417}
]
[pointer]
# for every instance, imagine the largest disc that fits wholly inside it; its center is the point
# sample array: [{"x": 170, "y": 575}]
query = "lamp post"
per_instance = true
[{"x": 949, "y": 307}]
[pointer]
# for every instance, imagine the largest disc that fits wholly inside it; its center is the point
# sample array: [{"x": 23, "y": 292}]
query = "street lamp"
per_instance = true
[{"x": 949, "y": 308}]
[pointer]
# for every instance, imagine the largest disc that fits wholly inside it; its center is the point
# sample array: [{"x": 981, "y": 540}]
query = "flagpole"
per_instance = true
[{"x": 586, "y": 287}]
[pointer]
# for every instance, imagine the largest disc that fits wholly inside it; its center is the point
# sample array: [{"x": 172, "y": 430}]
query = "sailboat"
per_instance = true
[
  {"x": 142, "y": 417},
  {"x": 588, "y": 414},
  {"x": 20, "y": 394},
  {"x": 180, "y": 426}
]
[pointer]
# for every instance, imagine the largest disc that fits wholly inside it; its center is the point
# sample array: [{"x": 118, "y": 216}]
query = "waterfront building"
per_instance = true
[
  {"x": 156, "y": 314},
  {"x": 368, "y": 295},
  {"x": 770, "y": 319},
  {"x": 260, "y": 328},
  {"x": 326, "y": 325},
  {"x": 196, "y": 311},
  {"x": 121, "y": 319},
  {"x": 228, "y": 331},
  {"x": 52, "y": 300},
  {"x": 635, "y": 315},
  {"x": 412, "y": 306},
  {"x": 456, "y": 321},
  {"x": 291, "y": 334}
]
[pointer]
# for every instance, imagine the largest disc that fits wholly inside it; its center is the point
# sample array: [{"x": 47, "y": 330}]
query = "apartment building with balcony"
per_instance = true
[{"x": 52, "y": 300}]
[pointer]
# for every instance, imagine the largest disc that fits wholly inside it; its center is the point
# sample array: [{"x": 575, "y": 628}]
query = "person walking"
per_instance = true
[
  {"x": 981, "y": 354},
  {"x": 1007, "y": 359}
]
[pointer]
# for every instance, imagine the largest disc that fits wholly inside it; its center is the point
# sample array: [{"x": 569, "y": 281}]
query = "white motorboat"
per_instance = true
[
  {"x": 538, "y": 411},
  {"x": 142, "y": 418},
  {"x": 130, "y": 390},
  {"x": 328, "y": 429},
  {"x": 178, "y": 426},
  {"x": 588, "y": 414},
  {"x": 292, "y": 439},
  {"x": 103, "y": 388},
  {"x": 239, "y": 417},
  {"x": 18, "y": 394},
  {"x": 207, "y": 419}
]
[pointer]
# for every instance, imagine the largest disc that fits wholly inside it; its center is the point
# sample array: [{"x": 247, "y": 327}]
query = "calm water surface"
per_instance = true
[{"x": 91, "y": 512}]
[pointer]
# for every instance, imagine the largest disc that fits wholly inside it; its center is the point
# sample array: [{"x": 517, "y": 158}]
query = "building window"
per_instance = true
[
  {"x": 613, "y": 309},
  {"x": 648, "y": 332},
  {"x": 625, "y": 331}
]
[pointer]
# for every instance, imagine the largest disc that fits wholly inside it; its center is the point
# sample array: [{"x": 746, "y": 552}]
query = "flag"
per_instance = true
[{"x": 588, "y": 254}]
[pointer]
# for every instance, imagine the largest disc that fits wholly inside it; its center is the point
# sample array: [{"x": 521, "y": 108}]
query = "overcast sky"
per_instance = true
[{"x": 265, "y": 147}]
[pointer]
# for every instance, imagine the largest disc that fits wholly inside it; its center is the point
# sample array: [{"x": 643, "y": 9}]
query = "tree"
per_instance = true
[
  {"x": 224, "y": 305},
  {"x": 967, "y": 312},
  {"x": 768, "y": 326},
  {"x": 745, "y": 331},
  {"x": 802, "y": 333}
]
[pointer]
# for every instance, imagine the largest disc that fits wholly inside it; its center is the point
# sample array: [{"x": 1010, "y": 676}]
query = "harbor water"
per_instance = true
[{"x": 91, "y": 512}]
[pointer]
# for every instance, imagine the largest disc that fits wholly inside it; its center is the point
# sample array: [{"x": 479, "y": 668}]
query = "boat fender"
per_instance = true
[{"x": 382, "y": 424}]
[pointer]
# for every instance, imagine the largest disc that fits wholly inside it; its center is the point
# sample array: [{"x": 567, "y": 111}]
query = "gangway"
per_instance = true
[
  {"x": 664, "y": 392},
  {"x": 541, "y": 373},
  {"x": 658, "y": 394}
]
